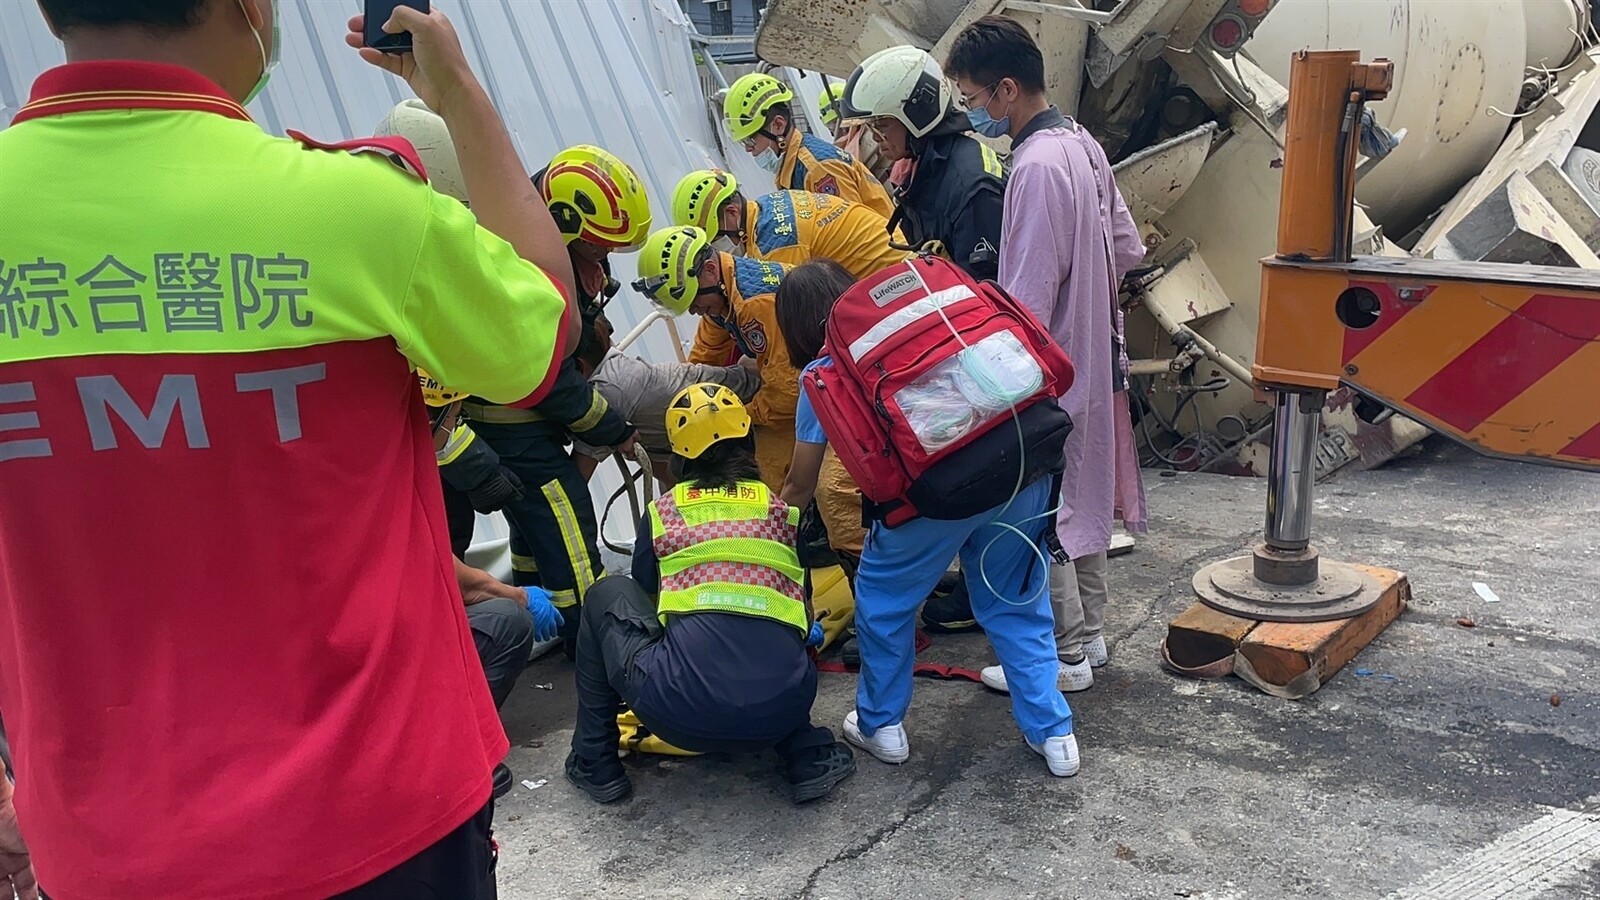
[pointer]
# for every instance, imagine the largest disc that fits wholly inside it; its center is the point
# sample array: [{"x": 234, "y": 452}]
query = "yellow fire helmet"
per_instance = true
[
  {"x": 829, "y": 102},
  {"x": 702, "y": 415},
  {"x": 667, "y": 271},
  {"x": 700, "y": 195},
  {"x": 414, "y": 121},
  {"x": 596, "y": 197},
  {"x": 748, "y": 101},
  {"x": 435, "y": 394}
]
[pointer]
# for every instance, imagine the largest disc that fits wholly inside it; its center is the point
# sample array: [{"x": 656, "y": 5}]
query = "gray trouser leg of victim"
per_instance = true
[{"x": 502, "y": 630}]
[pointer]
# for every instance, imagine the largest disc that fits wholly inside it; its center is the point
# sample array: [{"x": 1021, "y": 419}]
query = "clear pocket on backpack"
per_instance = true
[{"x": 963, "y": 393}]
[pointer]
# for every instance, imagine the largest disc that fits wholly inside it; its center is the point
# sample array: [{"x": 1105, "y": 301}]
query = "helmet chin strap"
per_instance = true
[
  {"x": 438, "y": 418},
  {"x": 717, "y": 290},
  {"x": 781, "y": 141},
  {"x": 736, "y": 235}
]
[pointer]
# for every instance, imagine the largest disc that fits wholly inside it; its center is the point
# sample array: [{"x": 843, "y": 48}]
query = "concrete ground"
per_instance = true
[{"x": 1447, "y": 760}]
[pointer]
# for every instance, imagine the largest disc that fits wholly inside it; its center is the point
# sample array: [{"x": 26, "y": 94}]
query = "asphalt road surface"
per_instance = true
[{"x": 1444, "y": 770}]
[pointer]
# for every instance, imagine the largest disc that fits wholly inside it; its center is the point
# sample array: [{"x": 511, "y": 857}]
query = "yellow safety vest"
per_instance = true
[{"x": 729, "y": 552}]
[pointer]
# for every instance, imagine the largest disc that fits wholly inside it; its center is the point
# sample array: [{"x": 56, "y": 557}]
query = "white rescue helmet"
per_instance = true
[
  {"x": 414, "y": 121},
  {"x": 901, "y": 82}
]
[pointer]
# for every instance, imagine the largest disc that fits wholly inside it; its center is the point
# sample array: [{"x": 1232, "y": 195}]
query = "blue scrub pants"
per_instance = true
[{"x": 900, "y": 567}]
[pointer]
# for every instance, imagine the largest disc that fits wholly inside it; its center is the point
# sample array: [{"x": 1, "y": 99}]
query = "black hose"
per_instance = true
[{"x": 1341, "y": 209}]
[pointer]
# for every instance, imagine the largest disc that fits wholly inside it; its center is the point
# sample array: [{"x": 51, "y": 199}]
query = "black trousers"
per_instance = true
[
  {"x": 460, "y": 518},
  {"x": 553, "y": 531},
  {"x": 459, "y": 867},
  {"x": 618, "y": 621}
]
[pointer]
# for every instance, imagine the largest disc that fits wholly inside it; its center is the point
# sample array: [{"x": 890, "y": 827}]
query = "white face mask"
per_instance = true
[
  {"x": 770, "y": 160},
  {"x": 725, "y": 244},
  {"x": 269, "y": 61}
]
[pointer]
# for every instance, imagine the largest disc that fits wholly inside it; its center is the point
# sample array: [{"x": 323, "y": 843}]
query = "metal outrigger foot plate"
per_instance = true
[{"x": 1340, "y": 592}]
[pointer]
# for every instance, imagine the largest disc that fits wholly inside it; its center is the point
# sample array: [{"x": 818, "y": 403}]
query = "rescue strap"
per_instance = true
[
  {"x": 1235, "y": 663},
  {"x": 645, "y": 479},
  {"x": 936, "y": 671},
  {"x": 500, "y": 415},
  {"x": 1215, "y": 668}
]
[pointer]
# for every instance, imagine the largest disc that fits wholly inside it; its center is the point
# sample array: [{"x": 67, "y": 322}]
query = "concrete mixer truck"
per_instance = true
[{"x": 1496, "y": 160}]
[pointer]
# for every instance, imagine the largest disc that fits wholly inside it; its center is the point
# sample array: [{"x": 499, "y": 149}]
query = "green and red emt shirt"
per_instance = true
[{"x": 233, "y": 657}]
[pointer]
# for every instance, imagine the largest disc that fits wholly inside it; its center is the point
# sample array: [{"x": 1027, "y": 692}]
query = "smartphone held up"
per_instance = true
[{"x": 377, "y": 13}]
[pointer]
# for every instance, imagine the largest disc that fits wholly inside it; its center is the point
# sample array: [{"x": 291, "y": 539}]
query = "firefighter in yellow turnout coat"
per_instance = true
[{"x": 759, "y": 113}]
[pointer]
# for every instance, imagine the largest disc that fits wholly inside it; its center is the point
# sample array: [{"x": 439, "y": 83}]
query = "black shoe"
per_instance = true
[
  {"x": 950, "y": 613},
  {"x": 603, "y": 780},
  {"x": 502, "y": 780},
  {"x": 813, "y": 774},
  {"x": 850, "y": 651}
]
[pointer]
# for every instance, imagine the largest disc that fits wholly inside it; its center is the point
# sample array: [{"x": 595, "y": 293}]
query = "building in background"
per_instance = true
[{"x": 727, "y": 19}]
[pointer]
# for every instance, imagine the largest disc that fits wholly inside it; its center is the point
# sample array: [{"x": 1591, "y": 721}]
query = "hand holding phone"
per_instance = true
[
  {"x": 379, "y": 12},
  {"x": 428, "y": 56}
]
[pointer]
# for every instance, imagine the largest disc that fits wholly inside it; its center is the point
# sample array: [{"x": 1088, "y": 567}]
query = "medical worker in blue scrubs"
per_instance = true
[{"x": 1006, "y": 572}]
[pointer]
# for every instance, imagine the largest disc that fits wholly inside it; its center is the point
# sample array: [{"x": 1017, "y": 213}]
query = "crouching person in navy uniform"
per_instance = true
[{"x": 707, "y": 642}]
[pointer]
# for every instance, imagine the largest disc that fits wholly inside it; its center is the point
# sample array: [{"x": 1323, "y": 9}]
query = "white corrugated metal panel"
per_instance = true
[{"x": 617, "y": 73}]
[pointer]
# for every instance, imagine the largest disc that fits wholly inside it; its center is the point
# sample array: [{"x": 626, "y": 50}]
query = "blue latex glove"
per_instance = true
[
  {"x": 546, "y": 618},
  {"x": 816, "y": 637}
]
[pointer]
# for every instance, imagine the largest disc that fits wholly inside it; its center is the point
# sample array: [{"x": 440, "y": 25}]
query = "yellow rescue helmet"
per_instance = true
[
  {"x": 435, "y": 394},
  {"x": 700, "y": 195},
  {"x": 596, "y": 197},
  {"x": 414, "y": 121},
  {"x": 829, "y": 102},
  {"x": 702, "y": 415},
  {"x": 667, "y": 270},
  {"x": 748, "y": 100}
]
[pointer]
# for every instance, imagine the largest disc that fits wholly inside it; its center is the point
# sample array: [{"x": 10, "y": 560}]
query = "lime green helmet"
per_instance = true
[
  {"x": 669, "y": 267},
  {"x": 700, "y": 195},
  {"x": 748, "y": 100},
  {"x": 829, "y": 102}
]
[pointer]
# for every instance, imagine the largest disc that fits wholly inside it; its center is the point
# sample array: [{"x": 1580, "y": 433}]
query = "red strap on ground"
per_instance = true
[{"x": 937, "y": 671}]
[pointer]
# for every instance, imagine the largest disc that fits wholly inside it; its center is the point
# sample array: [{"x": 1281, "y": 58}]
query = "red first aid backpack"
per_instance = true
[{"x": 940, "y": 394}]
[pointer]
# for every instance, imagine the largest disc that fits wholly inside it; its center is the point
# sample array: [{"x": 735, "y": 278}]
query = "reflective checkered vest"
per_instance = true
[{"x": 729, "y": 551}]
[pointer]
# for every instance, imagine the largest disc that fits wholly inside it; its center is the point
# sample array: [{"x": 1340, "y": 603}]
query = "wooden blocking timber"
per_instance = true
[
  {"x": 1201, "y": 637},
  {"x": 1280, "y": 652}
]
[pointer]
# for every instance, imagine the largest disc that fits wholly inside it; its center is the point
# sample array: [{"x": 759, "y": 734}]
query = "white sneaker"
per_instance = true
[
  {"x": 1060, "y": 754},
  {"x": 1076, "y": 678},
  {"x": 1069, "y": 680},
  {"x": 888, "y": 743},
  {"x": 1096, "y": 651}
]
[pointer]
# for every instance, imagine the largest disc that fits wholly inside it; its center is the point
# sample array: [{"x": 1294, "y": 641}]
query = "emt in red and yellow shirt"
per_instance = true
[{"x": 216, "y": 477}]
